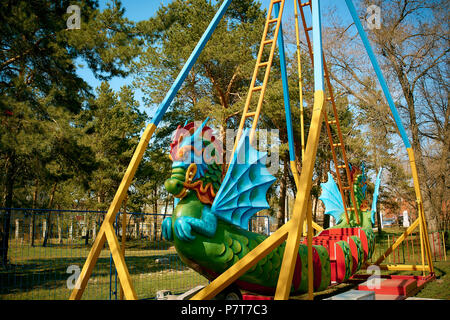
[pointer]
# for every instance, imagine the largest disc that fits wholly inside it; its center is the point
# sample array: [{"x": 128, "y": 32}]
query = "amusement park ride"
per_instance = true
[{"x": 209, "y": 223}]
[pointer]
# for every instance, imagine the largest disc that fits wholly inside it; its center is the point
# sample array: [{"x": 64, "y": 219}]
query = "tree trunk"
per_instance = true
[
  {"x": 155, "y": 209},
  {"x": 282, "y": 201},
  {"x": 416, "y": 142},
  {"x": 223, "y": 134},
  {"x": 316, "y": 202},
  {"x": 5, "y": 224},
  {"x": 33, "y": 214},
  {"x": 317, "y": 194},
  {"x": 379, "y": 220},
  {"x": 86, "y": 225},
  {"x": 326, "y": 217},
  {"x": 442, "y": 199},
  {"x": 49, "y": 214},
  {"x": 58, "y": 216}
]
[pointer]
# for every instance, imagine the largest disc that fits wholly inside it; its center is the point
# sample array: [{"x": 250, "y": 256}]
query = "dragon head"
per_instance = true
[{"x": 196, "y": 156}]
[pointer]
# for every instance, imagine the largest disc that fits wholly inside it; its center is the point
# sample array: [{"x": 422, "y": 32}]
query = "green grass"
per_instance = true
[
  {"x": 439, "y": 288},
  {"x": 41, "y": 273}
]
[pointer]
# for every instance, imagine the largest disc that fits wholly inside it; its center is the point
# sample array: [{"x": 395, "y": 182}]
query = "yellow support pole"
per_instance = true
[
  {"x": 422, "y": 236},
  {"x": 266, "y": 75},
  {"x": 389, "y": 242},
  {"x": 425, "y": 250},
  {"x": 121, "y": 267},
  {"x": 300, "y": 90},
  {"x": 88, "y": 267},
  {"x": 427, "y": 240},
  {"x": 398, "y": 241},
  {"x": 267, "y": 64},
  {"x": 106, "y": 232},
  {"x": 291, "y": 227},
  {"x": 239, "y": 268},
  {"x": 305, "y": 228},
  {"x": 316, "y": 227},
  {"x": 403, "y": 267},
  {"x": 425, "y": 244},
  {"x": 301, "y": 201},
  {"x": 412, "y": 163},
  {"x": 124, "y": 235},
  {"x": 295, "y": 174},
  {"x": 297, "y": 184},
  {"x": 310, "y": 256},
  {"x": 300, "y": 81}
]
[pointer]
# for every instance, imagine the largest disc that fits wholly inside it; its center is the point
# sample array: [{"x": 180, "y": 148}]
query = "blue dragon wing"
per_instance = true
[
  {"x": 331, "y": 198},
  {"x": 375, "y": 195},
  {"x": 244, "y": 187}
]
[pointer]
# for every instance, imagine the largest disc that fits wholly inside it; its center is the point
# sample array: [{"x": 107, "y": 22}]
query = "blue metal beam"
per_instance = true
[
  {"x": 317, "y": 46},
  {"x": 378, "y": 72},
  {"x": 284, "y": 79},
  {"x": 189, "y": 63}
]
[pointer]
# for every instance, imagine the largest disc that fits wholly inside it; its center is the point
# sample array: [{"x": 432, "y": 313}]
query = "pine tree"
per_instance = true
[
  {"x": 112, "y": 124},
  {"x": 39, "y": 85}
]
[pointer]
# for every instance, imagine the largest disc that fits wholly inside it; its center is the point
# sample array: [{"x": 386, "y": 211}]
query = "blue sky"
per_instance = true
[{"x": 138, "y": 10}]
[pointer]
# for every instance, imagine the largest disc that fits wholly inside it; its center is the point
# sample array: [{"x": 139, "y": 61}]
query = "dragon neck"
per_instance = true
[
  {"x": 360, "y": 196},
  {"x": 207, "y": 185}
]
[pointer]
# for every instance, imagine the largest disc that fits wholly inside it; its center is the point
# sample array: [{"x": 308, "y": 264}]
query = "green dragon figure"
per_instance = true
[
  {"x": 210, "y": 221},
  {"x": 332, "y": 199}
]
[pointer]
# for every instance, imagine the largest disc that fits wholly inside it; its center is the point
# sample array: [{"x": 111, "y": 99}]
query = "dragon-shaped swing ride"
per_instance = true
[{"x": 209, "y": 225}]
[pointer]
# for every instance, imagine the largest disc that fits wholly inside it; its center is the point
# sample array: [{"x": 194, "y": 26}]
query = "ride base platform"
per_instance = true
[{"x": 393, "y": 287}]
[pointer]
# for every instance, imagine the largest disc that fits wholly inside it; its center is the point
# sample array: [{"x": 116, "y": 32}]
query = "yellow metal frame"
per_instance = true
[
  {"x": 107, "y": 234},
  {"x": 302, "y": 111},
  {"x": 340, "y": 143},
  {"x": 289, "y": 232},
  {"x": 267, "y": 65},
  {"x": 425, "y": 249},
  {"x": 300, "y": 81},
  {"x": 124, "y": 235}
]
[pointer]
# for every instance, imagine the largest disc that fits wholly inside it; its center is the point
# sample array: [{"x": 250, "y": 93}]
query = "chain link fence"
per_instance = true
[{"x": 46, "y": 249}]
